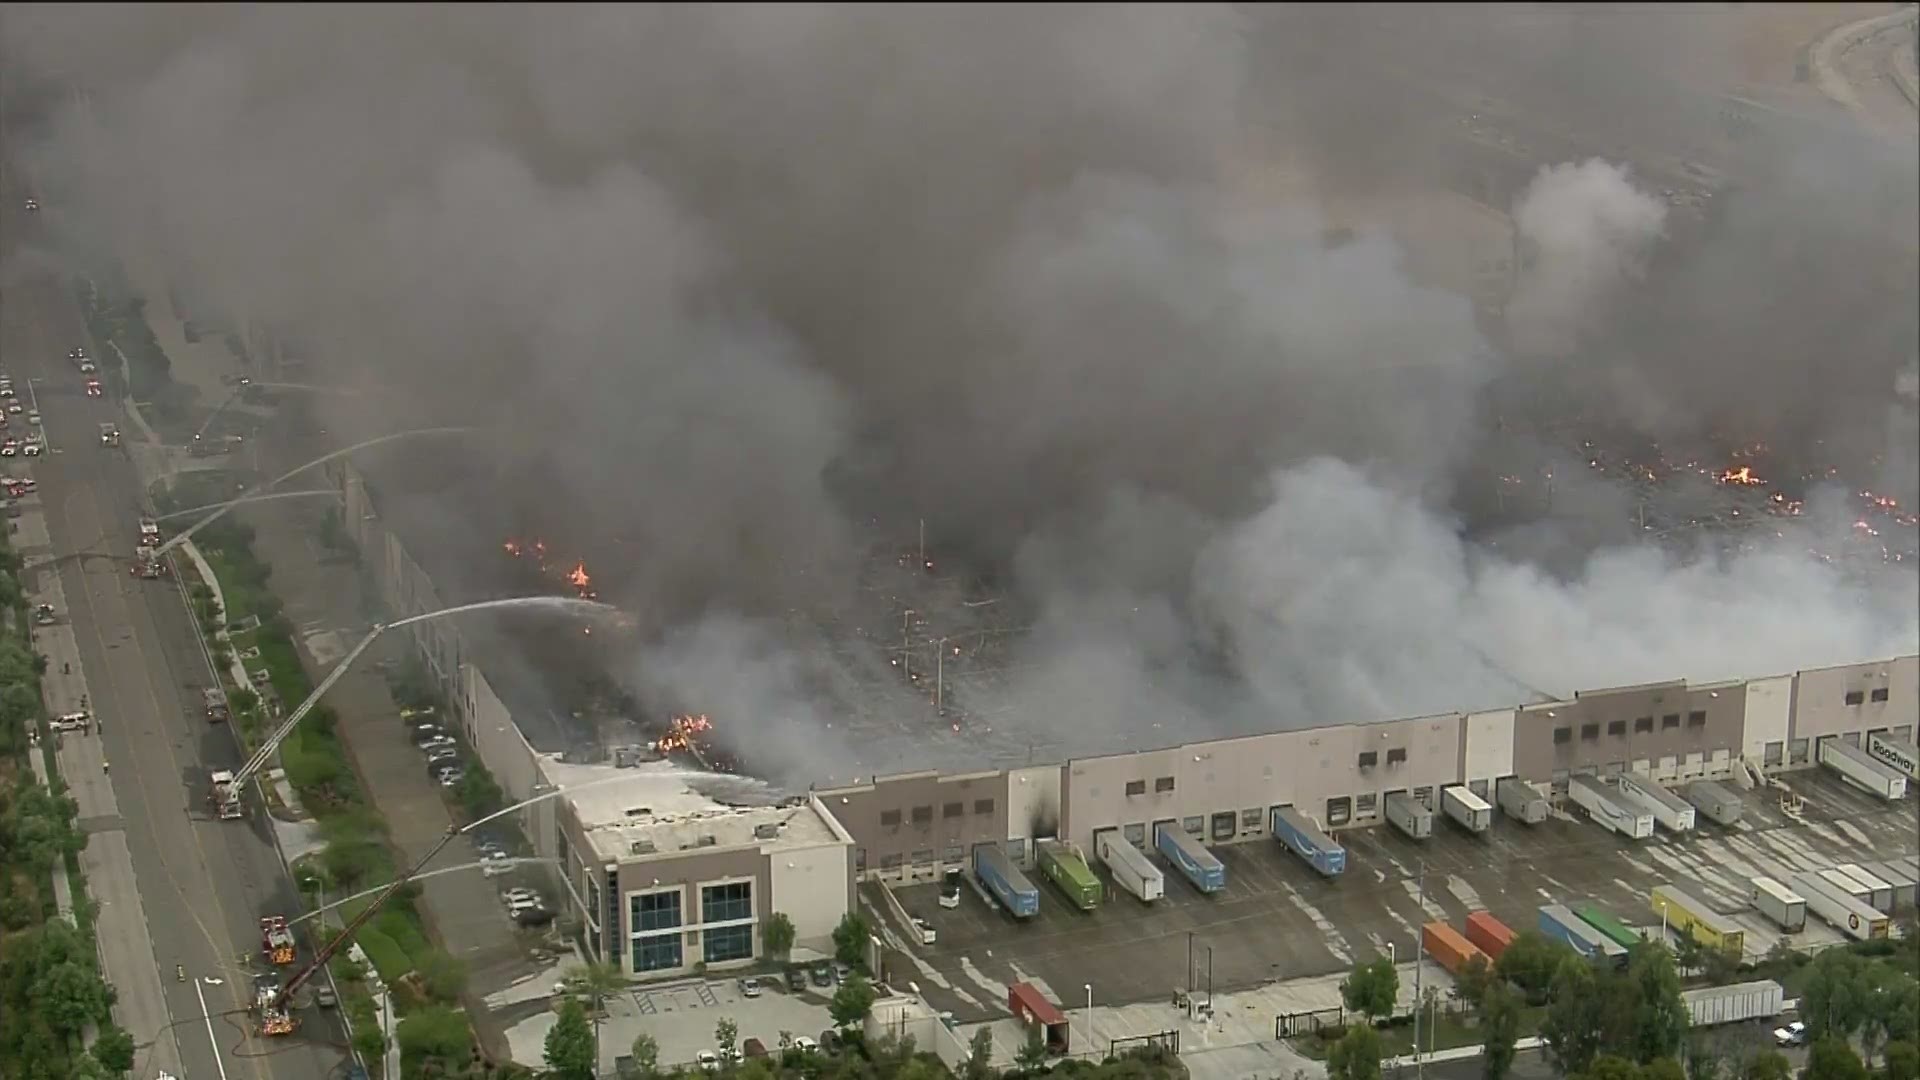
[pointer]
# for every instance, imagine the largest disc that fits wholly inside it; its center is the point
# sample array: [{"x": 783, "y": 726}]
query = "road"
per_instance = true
[{"x": 181, "y": 893}]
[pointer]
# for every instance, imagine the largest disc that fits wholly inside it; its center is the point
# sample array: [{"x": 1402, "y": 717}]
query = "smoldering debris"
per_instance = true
[{"x": 749, "y": 292}]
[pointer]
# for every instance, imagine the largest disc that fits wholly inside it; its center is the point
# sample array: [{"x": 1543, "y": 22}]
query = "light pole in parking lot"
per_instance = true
[{"x": 1089, "y": 989}]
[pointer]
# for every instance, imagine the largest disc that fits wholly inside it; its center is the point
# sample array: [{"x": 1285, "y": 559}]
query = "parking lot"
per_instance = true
[
  {"x": 682, "y": 1018},
  {"x": 1277, "y": 919}
]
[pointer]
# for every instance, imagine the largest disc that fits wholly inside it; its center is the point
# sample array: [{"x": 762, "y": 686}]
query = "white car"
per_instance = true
[
  {"x": 750, "y": 987},
  {"x": 495, "y": 864},
  {"x": 14, "y": 406},
  {"x": 805, "y": 1043},
  {"x": 707, "y": 1060},
  {"x": 519, "y": 896},
  {"x": 34, "y": 418},
  {"x": 1794, "y": 1034},
  {"x": 33, "y": 206},
  {"x": 31, "y": 448},
  {"x": 435, "y": 743},
  {"x": 86, "y": 367},
  {"x": 927, "y": 934},
  {"x": 451, "y": 777}
]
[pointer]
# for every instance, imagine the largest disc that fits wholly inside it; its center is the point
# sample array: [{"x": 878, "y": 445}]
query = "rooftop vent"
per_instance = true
[
  {"x": 766, "y": 832},
  {"x": 640, "y": 811},
  {"x": 705, "y": 840},
  {"x": 641, "y": 847}
]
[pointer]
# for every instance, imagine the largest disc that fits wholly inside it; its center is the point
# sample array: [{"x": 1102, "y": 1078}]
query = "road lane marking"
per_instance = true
[{"x": 208, "y": 1017}]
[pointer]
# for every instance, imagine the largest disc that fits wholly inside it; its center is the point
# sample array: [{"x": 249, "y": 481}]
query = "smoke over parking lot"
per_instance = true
[{"x": 750, "y": 284}]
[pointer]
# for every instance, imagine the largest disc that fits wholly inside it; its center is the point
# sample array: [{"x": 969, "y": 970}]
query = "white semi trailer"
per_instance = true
[
  {"x": 1601, "y": 801},
  {"x": 1131, "y": 868},
  {"x": 1522, "y": 800},
  {"x": 1672, "y": 812},
  {"x": 1786, "y": 908},
  {"x": 1409, "y": 815},
  {"x": 1858, "y": 768},
  {"x": 1470, "y": 811}
]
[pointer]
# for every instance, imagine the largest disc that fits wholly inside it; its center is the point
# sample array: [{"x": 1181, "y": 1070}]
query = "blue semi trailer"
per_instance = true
[
  {"x": 1305, "y": 839},
  {"x": 1005, "y": 881},
  {"x": 1190, "y": 857},
  {"x": 1558, "y": 922}
]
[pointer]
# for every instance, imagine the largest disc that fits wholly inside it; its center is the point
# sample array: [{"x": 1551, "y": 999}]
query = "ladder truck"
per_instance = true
[
  {"x": 225, "y": 796},
  {"x": 270, "y": 1013},
  {"x": 276, "y": 940}
]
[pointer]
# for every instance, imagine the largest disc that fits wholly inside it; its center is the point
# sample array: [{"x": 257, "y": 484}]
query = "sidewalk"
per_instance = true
[{"x": 325, "y": 603}]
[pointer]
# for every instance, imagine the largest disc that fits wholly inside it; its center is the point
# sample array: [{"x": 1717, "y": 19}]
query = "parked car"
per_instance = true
[
  {"x": 822, "y": 974},
  {"x": 325, "y": 997},
  {"x": 750, "y": 987},
  {"x": 1794, "y": 1034},
  {"x": 496, "y": 864},
  {"x": 434, "y": 742},
  {"x": 925, "y": 929},
  {"x": 805, "y": 1043},
  {"x": 707, "y": 1060},
  {"x": 451, "y": 777},
  {"x": 796, "y": 979}
]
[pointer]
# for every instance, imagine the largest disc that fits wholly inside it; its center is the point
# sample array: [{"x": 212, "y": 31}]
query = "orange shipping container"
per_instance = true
[
  {"x": 1447, "y": 947},
  {"x": 1488, "y": 934}
]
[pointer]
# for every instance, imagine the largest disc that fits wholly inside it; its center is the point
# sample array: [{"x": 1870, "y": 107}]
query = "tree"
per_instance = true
[
  {"x": 1571, "y": 1027},
  {"x": 569, "y": 1049},
  {"x": 436, "y": 1033},
  {"x": 444, "y": 976},
  {"x": 1499, "y": 1030},
  {"x": 646, "y": 1054},
  {"x": 369, "y": 1041},
  {"x": 1835, "y": 998},
  {"x": 1766, "y": 1065},
  {"x": 779, "y": 935},
  {"x": 1356, "y": 1056},
  {"x": 1033, "y": 1052},
  {"x": 1663, "y": 1068},
  {"x": 1893, "y": 1012},
  {"x": 113, "y": 1049},
  {"x": 1609, "y": 1067},
  {"x": 595, "y": 981},
  {"x": 1833, "y": 1059},
  {"x": 1372, "y": 989},
  {"x": 852, "y": 1002},
  {"x": 726, "y": 1035},
  {"x": 1902, "y": 1060},
  {"x": 1530, "y": 962},
  {"x": 980, "y": 1056},
  {"x": 850, "y": 939},
  {"x": 1471, "y": 984},
  {"x": 1660, "y": 1019}
]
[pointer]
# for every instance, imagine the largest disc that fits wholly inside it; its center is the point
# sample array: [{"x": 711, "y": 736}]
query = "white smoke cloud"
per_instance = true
[{"x": 1585, "y": 230}]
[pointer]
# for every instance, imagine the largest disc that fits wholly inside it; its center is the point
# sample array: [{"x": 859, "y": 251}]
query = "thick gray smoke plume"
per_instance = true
[
  {"x": 1585, "y": 230},
  {"x": 749, "y": 287}
]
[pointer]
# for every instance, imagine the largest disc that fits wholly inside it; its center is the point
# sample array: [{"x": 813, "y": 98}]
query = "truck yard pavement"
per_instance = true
[
  {"x": 1278, "y": 920},
  {"x": 180, "y": 893}
]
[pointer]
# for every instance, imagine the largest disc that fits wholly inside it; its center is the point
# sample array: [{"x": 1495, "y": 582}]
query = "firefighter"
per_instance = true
[{"x": 66, "y": 668}]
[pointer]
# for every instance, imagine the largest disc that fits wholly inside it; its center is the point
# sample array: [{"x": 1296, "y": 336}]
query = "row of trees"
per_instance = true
[{"x": 51, "y": 992}]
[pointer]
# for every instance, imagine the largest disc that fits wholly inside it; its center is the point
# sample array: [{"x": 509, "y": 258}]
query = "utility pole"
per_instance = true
[
  {"x": 940, "y": 679},
  {"x": 923, "y": 545},
  {"x": 1419, "y": 1060},
  {"x": 1209, "y": 981},
  {"x": 1189, "y": 973},
  {"x": 906, "y": 644}
]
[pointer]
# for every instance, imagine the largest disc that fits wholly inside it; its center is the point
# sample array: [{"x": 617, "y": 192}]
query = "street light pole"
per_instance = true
[
  {"x": 1089, "y": 989},
  {"x": 1419, "y": 1060},
  {"x": 1209, "y": 981}
]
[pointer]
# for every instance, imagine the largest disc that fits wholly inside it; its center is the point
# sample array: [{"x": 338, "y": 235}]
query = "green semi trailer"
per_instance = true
[{"x": 1064, "y": 866}]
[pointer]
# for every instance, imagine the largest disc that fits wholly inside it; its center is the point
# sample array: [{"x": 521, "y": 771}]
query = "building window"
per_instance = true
[
  {"x": 1880, "y": 694},
  {"x": 890, "y": 863},
  {"x": 1395, "y": 757},
  {"x": 1774, "y": 753},
  {"x": 983, "y": 806},
  {"x": 726, "y": 903},
  {"x": 1369, "y": 758},
  {"x": 1562, "y": 736},
  {"x": 1670, "y": 721},
  {"x": 953, "y": 809},
  {"x": 1339, "y": 811},
  {"x": 1856, "y": 697},
  {"x": 1589, "y": 732},
  {"x": 1366, "y": 805},
  {"x": 658, "y": 953},
  {"x": 889, "y": 819},
  {"x": 1163, "y": 784},
  {"x": 1017, "y": 850},
  {"x": 654, "y": 911},
  {"x": 1797, "y": 752},
  {"x": 1250, "y": 819},
  {"x": 1136, "y": 834},
  {"x": 728, "y": 943},
  {"x": 955, "y": 854},
  {"x": 1619, "y": 727},
  {"x": 1136, "y": 787},
  {"x": 923, "y": 815},
  {"x": 1643, "y": 724},
  {"x": 1697, "y": 718},
  {"x": 860, "y": 860},
  {"x": 923, "y": 857}
]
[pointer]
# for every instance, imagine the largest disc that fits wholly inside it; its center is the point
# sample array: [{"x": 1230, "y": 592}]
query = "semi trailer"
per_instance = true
[
  {"x": 1603, "y": 804},
  {"x": 1130, "y": 867},
  {"x": 1874, "y": 892},
  {"x": 1005, "y": 881},
  {"x": 1900, "y": 754},
  {"x": 1522, "y": 800},
  {"x": 1469, "y": 811},
  {"x": 1305, "y": 839},
  {"x": 1062, "y": 864},
  {"x": 1190, "y": 857},
  {"x": 1672, "y": 812},
  {"x": 1409, "y": 815},
  {"x": 1562, "y": 925},
  {"x": 1839, "y": 909},
  {"x": 1688, "y": 914},
  {"x": 1784, "y": 907},
  {"x": 1449, "y": 948},
  {"x": 1720, "y": 805},
  {"x": 1488, "y": 934},
  {"x": 1860, "y": 769}
]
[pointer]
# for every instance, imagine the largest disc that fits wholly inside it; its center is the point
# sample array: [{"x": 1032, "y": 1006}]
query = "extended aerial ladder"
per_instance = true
[
  {"x": 231, "y": 789},
  {"x": 276, "y": 940}
]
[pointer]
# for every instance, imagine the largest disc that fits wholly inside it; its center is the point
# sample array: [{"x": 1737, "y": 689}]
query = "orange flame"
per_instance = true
[
  {"x": 1741, "y": 475},
  {"x": 578, "y": 576}
]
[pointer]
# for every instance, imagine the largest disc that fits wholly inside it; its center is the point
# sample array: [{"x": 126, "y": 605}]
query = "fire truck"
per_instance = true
[
  {"x": 269, "y": 1019},
  {"x": 225, "y": 796},
  {"x": 276, "y": 940},
  {"x": 147, "y": 564},
  {"x": 149, "y": 532},
  {"x": 215, "y": 701}
]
